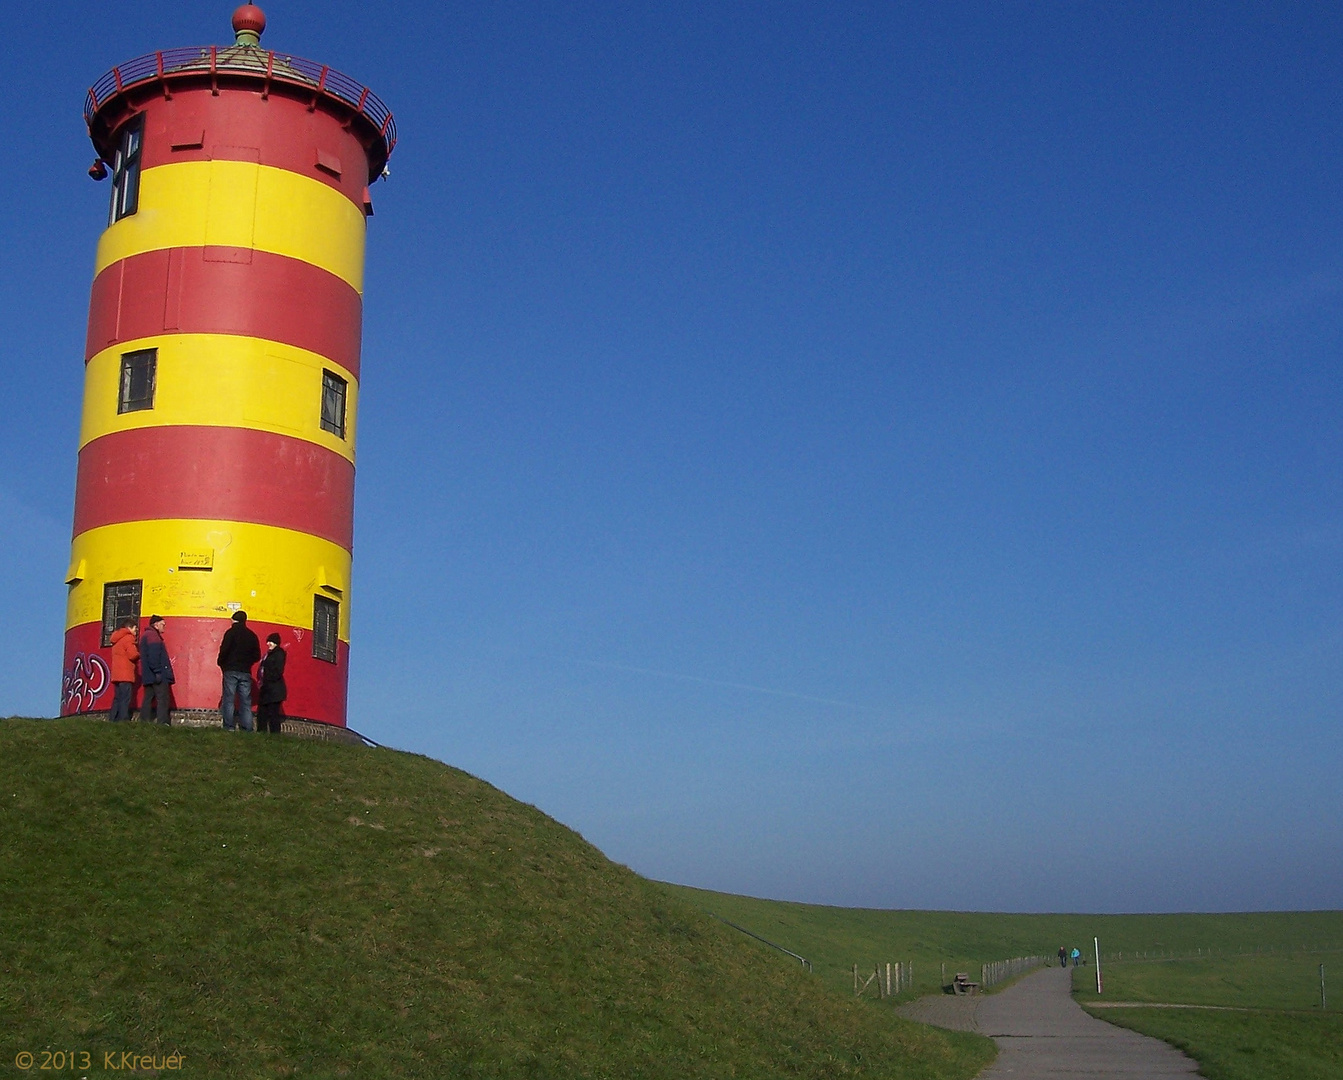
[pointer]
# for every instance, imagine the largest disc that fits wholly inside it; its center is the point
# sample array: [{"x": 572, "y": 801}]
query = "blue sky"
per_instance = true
[{"x": 866, "y": 454}]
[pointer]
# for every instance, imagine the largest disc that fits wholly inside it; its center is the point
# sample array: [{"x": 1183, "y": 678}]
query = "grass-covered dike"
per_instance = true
[
  {"x": 274, "y": 907},
  {"x": 835, "y": 938}
]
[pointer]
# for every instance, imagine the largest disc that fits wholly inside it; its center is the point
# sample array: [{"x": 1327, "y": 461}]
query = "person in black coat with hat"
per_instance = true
[{"x": 272, "y": 690}]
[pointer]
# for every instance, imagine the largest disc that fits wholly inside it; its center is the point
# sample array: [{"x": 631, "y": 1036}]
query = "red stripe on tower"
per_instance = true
[
  {"x": 223, "y": 473},
  {"x": 187, "y": 290}
]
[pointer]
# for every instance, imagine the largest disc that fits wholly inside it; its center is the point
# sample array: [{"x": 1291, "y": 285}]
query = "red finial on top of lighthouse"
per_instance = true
[{"x": 248, "y": 23}]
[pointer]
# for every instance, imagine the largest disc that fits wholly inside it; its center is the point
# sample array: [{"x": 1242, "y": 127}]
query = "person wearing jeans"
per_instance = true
[{"x": 238, "y": 652}]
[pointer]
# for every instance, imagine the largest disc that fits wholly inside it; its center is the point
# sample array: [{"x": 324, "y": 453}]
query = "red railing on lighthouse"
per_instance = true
[{"x": 170, "y": 65}]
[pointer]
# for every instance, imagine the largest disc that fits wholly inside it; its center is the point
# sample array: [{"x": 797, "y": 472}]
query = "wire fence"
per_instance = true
[
  {"x": 894, "y": 979},
  {"x": 1161, "y": 954},
  {"x": 997, "y": 971}
]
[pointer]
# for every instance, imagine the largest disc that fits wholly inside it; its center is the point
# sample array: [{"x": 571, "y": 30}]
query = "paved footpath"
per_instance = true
[{"x": 1043, "y": 1034}]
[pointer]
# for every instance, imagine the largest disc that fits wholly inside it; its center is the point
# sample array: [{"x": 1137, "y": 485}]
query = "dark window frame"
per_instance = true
[
  {"x": 335, "y": 403},
  {"x": 126, "y": 171},
  {"x": 127, "y": 401},
  {"x": 121, "y": 600},
  {"x": 325, "y": 628}
]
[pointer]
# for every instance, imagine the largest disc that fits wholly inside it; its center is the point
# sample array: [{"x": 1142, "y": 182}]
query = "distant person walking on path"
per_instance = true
[
  {"x": 124, "y": 656},
  {"x": 271, "y": 690},
  {"x": 1077, "y": 957},
  {"x": 239, "y": 650},
  {"x": 156, "y": 672},
  {"x": 1063, "y": 956}
]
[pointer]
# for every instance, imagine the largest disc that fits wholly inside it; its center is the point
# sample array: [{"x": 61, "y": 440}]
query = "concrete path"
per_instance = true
[{"x": 1042, "y": 1034}]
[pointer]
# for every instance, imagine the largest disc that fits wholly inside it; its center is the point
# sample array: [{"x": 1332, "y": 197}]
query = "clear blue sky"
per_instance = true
[{"x": 862, "y": 453}]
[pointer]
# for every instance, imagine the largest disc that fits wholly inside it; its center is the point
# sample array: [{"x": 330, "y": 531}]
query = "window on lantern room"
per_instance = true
[{"x": 126, "y": 172}]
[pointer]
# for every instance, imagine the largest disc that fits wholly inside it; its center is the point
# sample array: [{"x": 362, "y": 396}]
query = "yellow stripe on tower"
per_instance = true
[
  {"x": 271, "y": 573},
  {"x": 220, "y": 380},
  {"x": 241, "y": 204}
]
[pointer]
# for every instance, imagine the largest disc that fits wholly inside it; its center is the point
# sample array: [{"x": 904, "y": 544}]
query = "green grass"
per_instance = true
[
  {"x": 1246, "y": 1045},
  {"x": 1258, "y": 1045},
  {"x": 1282, "y": 981},
  {"x": 274, "y": 907},
  {"x": 1282, "y": 1035},
  {"x": 834, "y": 939}
]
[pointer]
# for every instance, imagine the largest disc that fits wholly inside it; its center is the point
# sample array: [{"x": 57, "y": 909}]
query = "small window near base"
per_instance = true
[
  {"x": 325, "y": 628},
  {"x": 121, "y": 601},
  {"x": 138, "y": 372}
]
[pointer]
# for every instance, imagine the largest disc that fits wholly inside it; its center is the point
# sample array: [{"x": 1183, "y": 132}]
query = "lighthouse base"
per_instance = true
[
  {"x": 303, "y": 729},
  {"x": 316, "y": 687},
  {"x": 296, "y": 726}
]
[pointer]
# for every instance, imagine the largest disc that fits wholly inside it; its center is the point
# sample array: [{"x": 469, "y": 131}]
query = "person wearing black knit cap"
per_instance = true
[{"x": 271, "y": 690}]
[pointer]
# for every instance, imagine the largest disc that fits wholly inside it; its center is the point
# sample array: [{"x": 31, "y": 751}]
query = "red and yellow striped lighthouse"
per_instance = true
[{"x": 216, "y": 450}]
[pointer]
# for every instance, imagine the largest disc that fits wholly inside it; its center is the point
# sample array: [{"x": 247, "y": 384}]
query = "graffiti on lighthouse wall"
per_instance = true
[{"x": 83, "y": 682}]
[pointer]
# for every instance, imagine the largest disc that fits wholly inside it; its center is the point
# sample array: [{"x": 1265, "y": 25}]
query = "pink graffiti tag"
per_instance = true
[{"x": 80, "y": 686}]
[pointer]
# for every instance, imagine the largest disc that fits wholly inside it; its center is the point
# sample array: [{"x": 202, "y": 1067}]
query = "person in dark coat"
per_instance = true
[
  {"x": 239, "y": 650},
  {"x": 156, "y": 672},
  {"x": 271, "y": 690}
]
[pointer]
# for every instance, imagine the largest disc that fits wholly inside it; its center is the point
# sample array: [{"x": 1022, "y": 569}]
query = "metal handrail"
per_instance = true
[
  {"x": 167, "y": 64},
  {"x": 806, "y": 964}
]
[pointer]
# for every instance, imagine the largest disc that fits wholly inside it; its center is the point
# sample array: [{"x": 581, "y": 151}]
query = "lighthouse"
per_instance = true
[{"x": 216, "y": 447}]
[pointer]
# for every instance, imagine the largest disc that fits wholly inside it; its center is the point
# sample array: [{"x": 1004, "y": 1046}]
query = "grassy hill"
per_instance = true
[{"x": 273, "y": 907}]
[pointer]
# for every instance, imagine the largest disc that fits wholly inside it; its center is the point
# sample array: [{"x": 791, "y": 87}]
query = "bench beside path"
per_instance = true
[{"x": 1043, "y": 1034}]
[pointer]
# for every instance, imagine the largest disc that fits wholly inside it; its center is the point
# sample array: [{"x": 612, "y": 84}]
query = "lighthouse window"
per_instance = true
[
  {"x": 121, "y": 600},
  {"x": 126, "y": 172},
  {"x": 137, "y": 380},
  {"x": 333, "y": 404},
  {"x": 325, "y": 628}
]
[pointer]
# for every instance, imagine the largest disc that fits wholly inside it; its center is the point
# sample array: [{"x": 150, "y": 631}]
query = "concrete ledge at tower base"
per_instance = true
[{"x": 292, "y": 725}]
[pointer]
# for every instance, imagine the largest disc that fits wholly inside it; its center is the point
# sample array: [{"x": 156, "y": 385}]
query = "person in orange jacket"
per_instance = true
[{"x": 124, "y": 656}]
